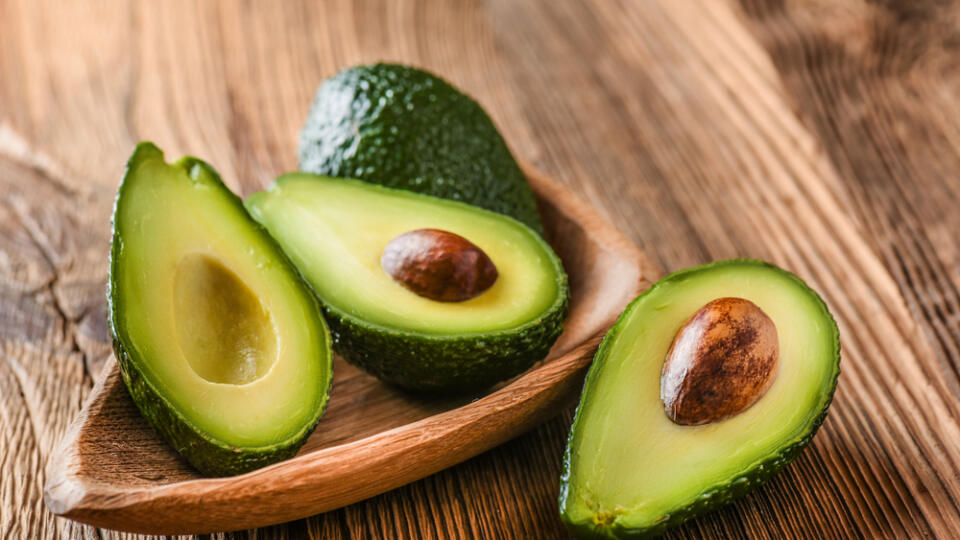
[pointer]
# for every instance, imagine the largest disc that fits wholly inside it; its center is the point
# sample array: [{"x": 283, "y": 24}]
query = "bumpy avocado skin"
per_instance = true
[
  {"x": 447, "y": 364},
  {"x": 210, "y": 456},
  {"x": 719, "y": 495},
  {"x": 443, "y": 364},
  {"x": 405, "y": 128}
]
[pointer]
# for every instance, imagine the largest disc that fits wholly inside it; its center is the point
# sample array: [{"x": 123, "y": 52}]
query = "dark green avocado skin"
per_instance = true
[
  {"x": 207, "y": 455},
  {"x": 210, "y": 456},
  {"x": 447, "y": 364},
  {"x": 405, "y": 128},
  {"x": 719, "y": 495}
]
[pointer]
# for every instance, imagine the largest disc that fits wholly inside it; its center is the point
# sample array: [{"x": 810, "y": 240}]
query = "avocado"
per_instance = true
[
  {"x": 385, "y": 314},
  {"x": 405, "y": 128},
  {"x": 657, "y": 438},
  {"x": 222, "y": 346}
]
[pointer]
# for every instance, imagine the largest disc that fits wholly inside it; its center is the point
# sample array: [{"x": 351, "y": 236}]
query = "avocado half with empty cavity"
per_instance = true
[
  {"x": 221, "y": 345},
  {"x": 425, "y": 293},
  {"x": 708, "y": 384}
]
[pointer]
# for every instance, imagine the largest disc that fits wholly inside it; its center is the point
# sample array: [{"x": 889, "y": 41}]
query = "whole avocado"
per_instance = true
[{"x": 406, "y": 128}]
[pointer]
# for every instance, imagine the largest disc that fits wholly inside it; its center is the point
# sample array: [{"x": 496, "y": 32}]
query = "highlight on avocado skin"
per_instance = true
[
  {"x": 406, "y": 128},
  {"x": 336, "y": 232},
  {"x": 220, "y": 343},
  {"x": 630, "y": 470}
]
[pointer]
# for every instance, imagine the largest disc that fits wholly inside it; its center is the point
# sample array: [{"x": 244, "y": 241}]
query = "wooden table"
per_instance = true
[{"x": 823, "y": 137}]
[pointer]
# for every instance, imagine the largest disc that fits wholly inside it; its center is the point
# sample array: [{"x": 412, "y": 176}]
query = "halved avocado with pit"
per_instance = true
[
  {"x": 636, "y": 461},
  {"x": 337, "y": 231},
  {"x": 221, "y": 344}
]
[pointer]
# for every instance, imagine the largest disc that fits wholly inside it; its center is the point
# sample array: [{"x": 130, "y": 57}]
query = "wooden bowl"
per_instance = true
[{"x": 111, "y": 470}]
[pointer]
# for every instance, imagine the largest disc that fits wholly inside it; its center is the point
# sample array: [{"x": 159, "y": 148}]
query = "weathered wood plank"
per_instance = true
[
  {"x": 43, "y": 295},
  {"x": 750, "y": 180},
  {"x": 820, "y": 135}
]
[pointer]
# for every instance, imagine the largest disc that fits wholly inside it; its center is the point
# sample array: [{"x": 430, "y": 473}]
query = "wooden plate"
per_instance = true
[{"x": 112, "y": 471}]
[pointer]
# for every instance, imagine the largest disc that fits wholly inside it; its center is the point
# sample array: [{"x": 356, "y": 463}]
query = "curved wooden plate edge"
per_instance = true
[{"x": 391, "y": 456}]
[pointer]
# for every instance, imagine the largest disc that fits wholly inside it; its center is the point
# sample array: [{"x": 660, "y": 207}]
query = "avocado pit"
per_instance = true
[
  {"x": 722, "y": 360},
  {"x": 439, "y": 265}
]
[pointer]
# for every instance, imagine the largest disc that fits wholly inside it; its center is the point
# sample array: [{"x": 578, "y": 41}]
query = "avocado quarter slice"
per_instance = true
[
  {"x": 222, "y": 346},
  {"x": 629, "y": 470},
  {"x": 405, "y": 128},
  {"x": 336, "y": 232}
]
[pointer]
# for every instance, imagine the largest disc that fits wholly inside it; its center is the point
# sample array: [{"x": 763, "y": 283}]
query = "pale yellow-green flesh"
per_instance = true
[
  {"x": 335, "y": 232},
  {"x": 630, "y": 462},
  {"x": 222, "y": 330},
  {"x": 224, "y": 333}
]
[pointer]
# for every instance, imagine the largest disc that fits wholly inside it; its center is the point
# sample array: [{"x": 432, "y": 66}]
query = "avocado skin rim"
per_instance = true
[
  {"x": 719, "y": 495},
  {"x": 210, "y": 456}
]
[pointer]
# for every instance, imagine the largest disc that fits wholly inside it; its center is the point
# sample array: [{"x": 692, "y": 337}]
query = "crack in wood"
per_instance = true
[
  {"x": 68, "y": 323},
  {"x": 18, "y": 150}
]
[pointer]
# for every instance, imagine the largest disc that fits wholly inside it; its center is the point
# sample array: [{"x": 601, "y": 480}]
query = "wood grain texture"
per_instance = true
[
  {"x": 112, "y": 470},
  {"x": 820, "y": 135}
]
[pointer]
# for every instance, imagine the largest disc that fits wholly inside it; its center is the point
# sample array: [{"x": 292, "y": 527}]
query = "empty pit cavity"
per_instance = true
[{"x": 224, "y": 332}]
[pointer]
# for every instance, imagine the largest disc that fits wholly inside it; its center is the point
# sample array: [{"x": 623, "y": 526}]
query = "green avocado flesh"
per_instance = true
[
  {"x": 405, "y": 128},
  {"x": 629, "y": 470},
  {"x": 221, "y": 344},
  {"x": 335, "y": 231}
]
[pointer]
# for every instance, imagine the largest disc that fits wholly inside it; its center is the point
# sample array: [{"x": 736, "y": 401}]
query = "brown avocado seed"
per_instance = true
[
  {"x": 438, "y": 265},
  {"x": 721, "y": 362}
]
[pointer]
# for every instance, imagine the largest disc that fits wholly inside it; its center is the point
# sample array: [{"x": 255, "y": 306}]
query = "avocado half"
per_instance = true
[
  {"x": 335, "y": 231},
  {"x": 405, "y": 128},
  {"x": 222, "y": 346},
  {"x": 629, "y": 471}
]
